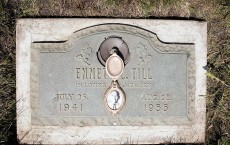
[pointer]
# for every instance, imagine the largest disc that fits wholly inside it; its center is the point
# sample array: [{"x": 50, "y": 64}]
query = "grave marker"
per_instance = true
[{"x": 62, "y": 82}]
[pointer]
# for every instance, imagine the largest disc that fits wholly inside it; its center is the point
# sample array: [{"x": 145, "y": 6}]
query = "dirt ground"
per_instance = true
[{"x": 215, "y": 12}]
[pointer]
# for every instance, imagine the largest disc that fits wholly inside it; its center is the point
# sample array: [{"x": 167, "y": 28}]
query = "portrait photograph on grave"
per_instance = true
[{"x": 114, "y": 100}]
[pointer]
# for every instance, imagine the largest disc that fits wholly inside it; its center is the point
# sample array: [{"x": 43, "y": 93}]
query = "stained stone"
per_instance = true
[{"x": 61, "y": 83}]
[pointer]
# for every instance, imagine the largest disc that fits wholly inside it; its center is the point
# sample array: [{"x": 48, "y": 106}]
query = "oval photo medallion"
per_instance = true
[
  {"x": 114, "y": 98},
  {"x": 114, "y": 66}
]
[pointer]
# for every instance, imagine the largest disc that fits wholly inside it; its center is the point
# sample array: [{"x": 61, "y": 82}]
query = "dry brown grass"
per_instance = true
[{"x": 215, "y": 12}]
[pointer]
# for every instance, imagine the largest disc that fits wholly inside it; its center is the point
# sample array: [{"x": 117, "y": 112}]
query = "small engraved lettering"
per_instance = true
[
  {"x": 84, "y": 73},
  {"x": 91, "y": 85},
  {"x": 70, "y": 107},
  {"x": 134, "y": 73},
  {"x": 81, "y": 97},
  {"x": 64, "y": 97},
  {"x": 156, "y": 102},
  {"x": 165, "y": 107},
  {"x": 68, "y": 102},
  {"x": 78, "y": 73},
  {"x": 150, "y": 107},
  {"x": 124, "y": 77},
  {"x": 90, "y": 73},
  {"x": 141, "y": 73},
  {"x": 98, "y": 73},
  {"x": 79, "y": 85},
  {"x": 156, "y": 97},
  {"x": 70, "y": 97},
  {"x": 158, "y": 107},
  {"x": 136, "y": 85},
  {"x": 95, "y": 85}
]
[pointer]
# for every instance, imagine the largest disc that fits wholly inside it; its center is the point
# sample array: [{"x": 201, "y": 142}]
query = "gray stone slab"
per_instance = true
[{"x": 61, "y": 83}]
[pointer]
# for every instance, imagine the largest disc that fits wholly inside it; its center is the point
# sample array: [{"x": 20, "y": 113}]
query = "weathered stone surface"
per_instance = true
[{"x": 61, "y": 83}]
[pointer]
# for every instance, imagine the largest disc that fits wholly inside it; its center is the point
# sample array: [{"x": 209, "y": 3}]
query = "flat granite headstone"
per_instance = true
[{"x": 61, "y": 82}]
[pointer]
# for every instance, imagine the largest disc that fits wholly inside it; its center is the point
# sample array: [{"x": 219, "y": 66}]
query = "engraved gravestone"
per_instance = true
[{"x": 149, "y": 90}]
